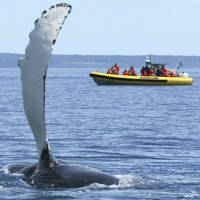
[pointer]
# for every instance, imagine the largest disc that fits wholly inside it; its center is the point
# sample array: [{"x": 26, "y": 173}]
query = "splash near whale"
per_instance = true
[{"x": 48, "y": 172}]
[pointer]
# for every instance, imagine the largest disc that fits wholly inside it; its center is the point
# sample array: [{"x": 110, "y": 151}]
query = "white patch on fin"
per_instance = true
[{"x": 34, "y": 66}]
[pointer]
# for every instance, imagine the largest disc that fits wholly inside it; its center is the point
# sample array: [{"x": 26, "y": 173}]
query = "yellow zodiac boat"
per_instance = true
[{"x": 110, "y": 79}]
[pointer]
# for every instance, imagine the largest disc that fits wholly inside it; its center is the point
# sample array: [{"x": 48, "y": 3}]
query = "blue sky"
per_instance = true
[{"x": 109, "y": 27}]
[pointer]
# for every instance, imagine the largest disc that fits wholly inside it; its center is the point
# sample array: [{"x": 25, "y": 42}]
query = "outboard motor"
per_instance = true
[{"x": 184, "y": 75}]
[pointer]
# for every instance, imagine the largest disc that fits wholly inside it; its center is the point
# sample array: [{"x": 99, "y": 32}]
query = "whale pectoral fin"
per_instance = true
[{"x": 34, "y": 67}]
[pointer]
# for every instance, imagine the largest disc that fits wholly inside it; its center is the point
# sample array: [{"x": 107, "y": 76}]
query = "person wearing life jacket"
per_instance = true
[
  {"x": 114, "y": 71},
  {"x": 151, "y": 72},
  {"x": 144, "y": 74},
  {"x": 125, "y": 73},
  {"x": 132, "y": 72},
  {"x": 172, "y": 73},
  {"x": 159, "y": 72},
  {"x": 109, "y": 71},
  {"x": 143, "y": 71},
  {"x": 164, "y": 71},
  {"x": 147, "y": 70},
  {"x": 117, "y": 68}
]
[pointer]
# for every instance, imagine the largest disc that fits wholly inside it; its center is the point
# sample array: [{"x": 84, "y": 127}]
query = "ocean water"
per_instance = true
[{"x": 148, "y": 136}]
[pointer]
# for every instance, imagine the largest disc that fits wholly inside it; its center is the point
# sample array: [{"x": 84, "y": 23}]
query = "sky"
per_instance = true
[{"x": 108, "y": 27}]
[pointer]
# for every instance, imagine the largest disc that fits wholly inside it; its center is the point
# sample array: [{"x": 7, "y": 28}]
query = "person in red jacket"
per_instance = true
[
  {"x": 143, "y": 71},
  {"x": 172, "y": 73},
  {"x": 151, "y": 72},
  {"x": 125, "y": 73},
  {"x": 164, "y": 71},
  {"x": 117, "y": 68},
  {"x": 132, "y": 72}
]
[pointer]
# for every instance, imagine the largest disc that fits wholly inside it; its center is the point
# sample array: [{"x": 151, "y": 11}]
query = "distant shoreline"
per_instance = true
[{"x": 10, "y": 60}]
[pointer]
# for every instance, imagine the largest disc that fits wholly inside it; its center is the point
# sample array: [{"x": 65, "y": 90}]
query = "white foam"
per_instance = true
[
  {"x": 5, "y": 170},
  {"x": 125, "y": 181}
]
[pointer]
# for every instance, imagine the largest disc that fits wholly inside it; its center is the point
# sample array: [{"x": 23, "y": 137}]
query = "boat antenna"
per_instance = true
[{"x": 179, "y": 65}]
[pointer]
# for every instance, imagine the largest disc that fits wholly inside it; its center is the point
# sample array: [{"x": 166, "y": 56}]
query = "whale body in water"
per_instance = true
[{"x": 48, "y": 172}]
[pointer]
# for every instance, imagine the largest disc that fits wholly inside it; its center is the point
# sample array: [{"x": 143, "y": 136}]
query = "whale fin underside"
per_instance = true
[{"x": 34, "y": 66}]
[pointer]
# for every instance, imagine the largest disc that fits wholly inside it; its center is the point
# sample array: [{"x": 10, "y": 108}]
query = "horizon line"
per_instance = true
[{"x": 57, "y": 54}]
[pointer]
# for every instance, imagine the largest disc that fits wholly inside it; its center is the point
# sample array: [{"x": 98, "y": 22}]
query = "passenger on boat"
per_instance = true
[
  {"x": 143, "y": 71},
  {"x": 151, "y": 72},
  {"x": 147, "y": 70},
  {"x": 117, "y": 68},
  {"x": 125, "y": 73},
  {"x": 109, "y": 71},
  {"x": 159, "y": 72},
  {"x": 132, "y": 72},
  {"x": 172, "y": 73},
  {"x": 114, "y": 71},
  {"x": 164, "y": 71}
]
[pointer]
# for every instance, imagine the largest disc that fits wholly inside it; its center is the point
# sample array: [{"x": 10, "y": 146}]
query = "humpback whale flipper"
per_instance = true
[
  {"x": 34, "y": 67},
  {"x": 48, "y": 172}
]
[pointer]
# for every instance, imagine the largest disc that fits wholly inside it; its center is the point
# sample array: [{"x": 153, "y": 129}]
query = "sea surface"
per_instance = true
[{"x": 148, "y": 136}]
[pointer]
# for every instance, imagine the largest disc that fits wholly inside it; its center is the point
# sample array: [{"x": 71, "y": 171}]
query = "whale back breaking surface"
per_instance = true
[{"x": 34, "y": 67}]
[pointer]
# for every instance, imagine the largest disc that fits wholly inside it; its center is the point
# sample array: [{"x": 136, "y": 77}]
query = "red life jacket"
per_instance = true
[
  {"x": 125, "y": 73},
  {"x": 117, "y": 68},
  {"x": 151, "y": 72},
  {"x": 144, "y": 74},
  {"x": 172, "y": 75},
  {"x": 164, "y": 72}
]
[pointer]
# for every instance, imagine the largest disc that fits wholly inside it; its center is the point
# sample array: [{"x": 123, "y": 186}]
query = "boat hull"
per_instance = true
[{"x": 110, "y": 79}]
